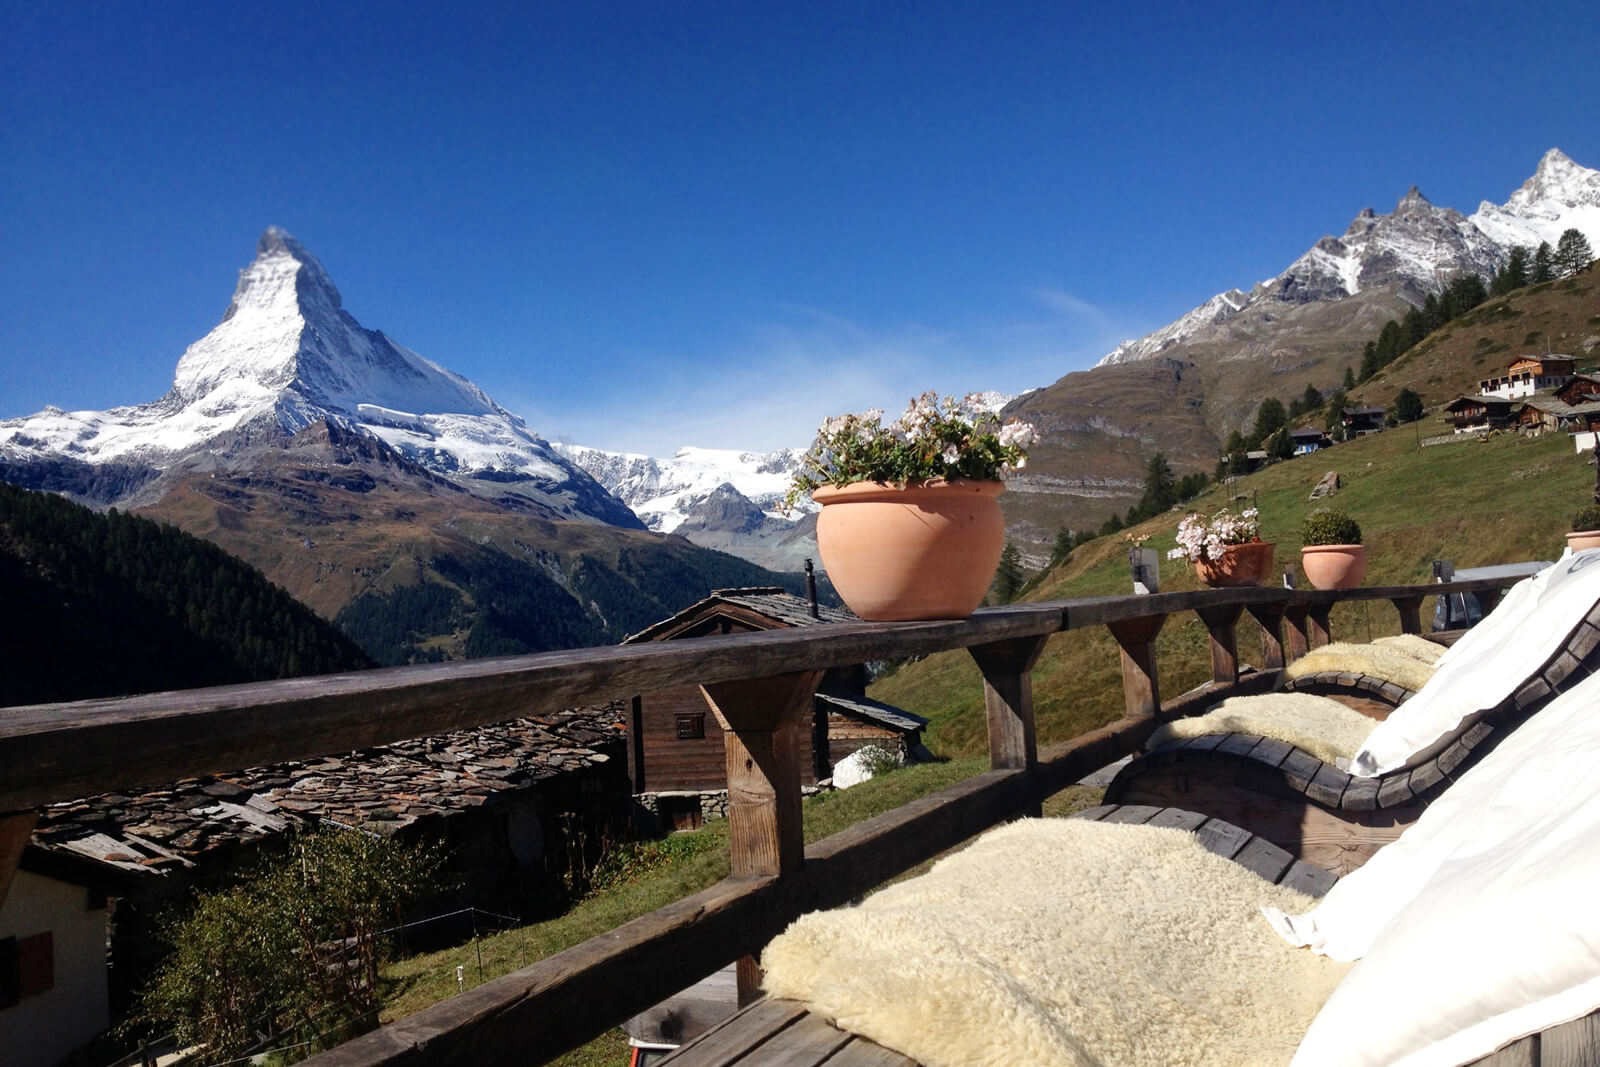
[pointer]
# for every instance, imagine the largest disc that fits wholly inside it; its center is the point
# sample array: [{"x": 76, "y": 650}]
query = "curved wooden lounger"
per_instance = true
[
  {"x": 772, "y": 1031},
  {"x": 1313, "y": 809},
  {"x": 1372, "y": 697}
]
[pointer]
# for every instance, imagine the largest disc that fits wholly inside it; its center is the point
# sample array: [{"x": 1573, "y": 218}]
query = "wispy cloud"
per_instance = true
[{"x": 772, "y": 381}]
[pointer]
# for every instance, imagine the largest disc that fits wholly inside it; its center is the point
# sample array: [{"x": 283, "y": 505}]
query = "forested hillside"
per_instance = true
[{"x": 103, "y": 605}]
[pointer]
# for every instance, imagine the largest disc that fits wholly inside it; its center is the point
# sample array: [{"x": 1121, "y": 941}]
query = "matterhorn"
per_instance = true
[{"x": 287, "y": 356}]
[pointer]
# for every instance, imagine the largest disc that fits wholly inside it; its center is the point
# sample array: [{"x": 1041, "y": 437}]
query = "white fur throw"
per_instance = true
[
  {"x": 1379, "y": 661},
  {"x": 1414, "y": 645},
  {"x": 1321, "y": 725},
  {"x": 1063, "y": 941}
]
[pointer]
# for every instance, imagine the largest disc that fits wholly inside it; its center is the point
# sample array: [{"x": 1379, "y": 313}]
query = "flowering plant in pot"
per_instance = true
[
  {"x": 1585, "y": 528},
  {"x": 1331, "y": 552},
  {"x": 910, "y": 526},
  {"x": 1226, "y": 549}
]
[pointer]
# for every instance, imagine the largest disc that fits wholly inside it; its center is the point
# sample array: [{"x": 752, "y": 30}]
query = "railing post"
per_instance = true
[
  {"x": 1222, "y": 623},
  {"x": 761, "y": 717},
  {"x": 1318, "y": 632},
  {"x": 1270, "y": 618},
  {"x": 15, "y": 830},
  {"x": 1137, "y": 639},
  {"x": 1007, "y": 668},
  {"x": 1299, "y": 642},
  {"x": 1410, "y": 609}
]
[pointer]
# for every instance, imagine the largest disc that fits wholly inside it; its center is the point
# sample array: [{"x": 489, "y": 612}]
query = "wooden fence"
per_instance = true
[{"x": 757, "y": 685}]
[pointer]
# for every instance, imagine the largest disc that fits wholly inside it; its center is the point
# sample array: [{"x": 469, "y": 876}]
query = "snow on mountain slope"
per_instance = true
[
  {"x": 286, "y": 355},
  {"x": 1417, "y": 248},
  {"x": 1561, "y": 195},
  {"x": 663, "y": 491}
]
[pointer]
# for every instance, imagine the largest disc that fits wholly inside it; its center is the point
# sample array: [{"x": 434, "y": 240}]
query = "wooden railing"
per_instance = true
[{"x": 757, "y": 685}]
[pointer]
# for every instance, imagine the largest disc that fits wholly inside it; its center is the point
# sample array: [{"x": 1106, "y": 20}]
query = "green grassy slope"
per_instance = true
[{"x": 1476, "y": 503}]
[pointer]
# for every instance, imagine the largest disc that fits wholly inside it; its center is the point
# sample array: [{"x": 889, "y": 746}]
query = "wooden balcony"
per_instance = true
[{"x": 757, "y": 685}]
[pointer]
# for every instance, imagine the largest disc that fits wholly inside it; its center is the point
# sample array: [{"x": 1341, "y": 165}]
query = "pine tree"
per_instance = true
[
  {"x": 1062, "y": 550},
  {"x": 1572, "y": 253},
  {"x": 1407, "y": 406},
  {"x": 1008, "y": 576},
  {"x": 1543, "y": 263},
  {"x": 1334, "y": 414},
  {"x": 1514, "y": 275},
  {"x": 1349, "y": 378},
  {"x": 1278, "y": 445},
  {"x": 1270, "y": 417},
  {"x": 1160, "y": 486}
]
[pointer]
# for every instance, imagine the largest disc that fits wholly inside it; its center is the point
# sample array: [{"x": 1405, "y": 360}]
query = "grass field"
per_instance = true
[{"x": 1502, "y": 500}]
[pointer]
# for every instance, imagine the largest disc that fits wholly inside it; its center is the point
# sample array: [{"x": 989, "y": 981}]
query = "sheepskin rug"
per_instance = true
[
  {"x": 1327, "y": 729},
  {"x": 1414, "y": 645},
  {"x": 1063, "y": 941},
  {"x": 1385, "y": 661}
]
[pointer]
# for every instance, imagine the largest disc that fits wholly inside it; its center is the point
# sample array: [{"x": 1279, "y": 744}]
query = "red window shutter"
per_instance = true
[{"x": 36, "y": 964}]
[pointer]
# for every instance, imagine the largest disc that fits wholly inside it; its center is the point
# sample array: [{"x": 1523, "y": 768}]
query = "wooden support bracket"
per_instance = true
[
  {"x": 763, "y": 719},
  {"x": 1298, "y": 640},
  {"x": 1222, "y": 623},
  {"x": 1410, "y": 609},
  {"x": 1270, "y": 618},
  {"x": 1007, "y": 668},
  {"x": 15, "y": 830},
  {"x": 1318, "y": 632},
  {"x": 1137, "y": 638}
]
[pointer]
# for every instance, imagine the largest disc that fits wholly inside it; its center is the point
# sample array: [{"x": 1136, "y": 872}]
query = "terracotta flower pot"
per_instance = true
[
  {"x": 923, "y": 551},
  {"x": 1244, "y": 564},
  {"x": 1579, "y": 540},
  {"x": 1334, "y": 566}
]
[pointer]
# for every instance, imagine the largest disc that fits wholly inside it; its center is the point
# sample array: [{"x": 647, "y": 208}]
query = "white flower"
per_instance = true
[
  {"x": 952, "y": 455},
  {"x": 1019, "y": 434}
]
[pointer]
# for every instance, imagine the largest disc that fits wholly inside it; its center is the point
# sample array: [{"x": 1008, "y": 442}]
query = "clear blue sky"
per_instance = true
[{"x": 641, "y": 225}]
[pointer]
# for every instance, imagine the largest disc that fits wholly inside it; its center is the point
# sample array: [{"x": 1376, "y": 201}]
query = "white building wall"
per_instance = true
[{"x": 41, "y": 1029}]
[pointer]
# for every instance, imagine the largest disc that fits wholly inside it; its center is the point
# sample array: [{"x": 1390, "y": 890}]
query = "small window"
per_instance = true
[
  {"x": 691, "y": 727},
  {"x": 27, "y": 967}
]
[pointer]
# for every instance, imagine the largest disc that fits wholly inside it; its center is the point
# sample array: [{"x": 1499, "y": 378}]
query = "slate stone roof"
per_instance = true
[
  {"x": 784, "y": 608},
  {"x": 386, "y": 788},
  {"x": 885, "y": 715}
]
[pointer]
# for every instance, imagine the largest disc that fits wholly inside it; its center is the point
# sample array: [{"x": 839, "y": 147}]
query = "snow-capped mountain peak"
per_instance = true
[
  {"x": 286, "y": 355},
  {"x": 1417, "y": 249},
  {"x": 1558, "y": 182},
  {"x": 287, "y": 338}
]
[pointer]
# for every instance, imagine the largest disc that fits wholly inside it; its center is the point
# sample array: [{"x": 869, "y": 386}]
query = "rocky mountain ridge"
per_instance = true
[{"x": 1412, "y": 251}]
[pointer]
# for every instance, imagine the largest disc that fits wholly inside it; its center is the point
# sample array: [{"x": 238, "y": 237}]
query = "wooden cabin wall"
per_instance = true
[
  {"x": 845, "y": 735},
  {"x": 672, "y": 763}
]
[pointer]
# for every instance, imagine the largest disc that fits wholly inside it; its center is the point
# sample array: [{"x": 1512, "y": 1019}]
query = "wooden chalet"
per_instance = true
[
  {"x": 676, "y": 756},
  {"x": 761, "y": 685},
  {"x": 1477, "y": 414},
  {"x": 1528, "y": 374},
  {"x": 1582, "y": 387},
  {"x": 1308, "y": 439},
  {"x": 1547, "y": 413},
  {"x": 1359, "y": 421}
]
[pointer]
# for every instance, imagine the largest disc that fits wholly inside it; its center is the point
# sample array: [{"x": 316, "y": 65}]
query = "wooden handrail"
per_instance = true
[{"x": 61, "y": 752}]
